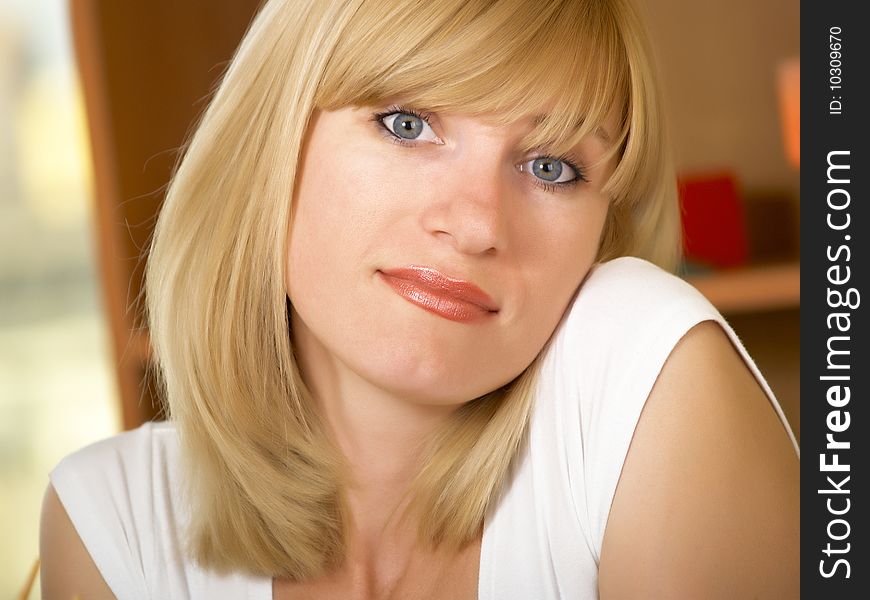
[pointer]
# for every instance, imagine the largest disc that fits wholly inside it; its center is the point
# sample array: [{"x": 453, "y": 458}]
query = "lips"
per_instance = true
[{"x": 453, "y": 299}]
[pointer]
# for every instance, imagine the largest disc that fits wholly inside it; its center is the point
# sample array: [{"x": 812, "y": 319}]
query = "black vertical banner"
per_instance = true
[{"x": 835, "y": 300}]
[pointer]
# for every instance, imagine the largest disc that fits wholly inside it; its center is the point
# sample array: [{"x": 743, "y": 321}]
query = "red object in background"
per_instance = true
[{"x": 714, "y": 226}]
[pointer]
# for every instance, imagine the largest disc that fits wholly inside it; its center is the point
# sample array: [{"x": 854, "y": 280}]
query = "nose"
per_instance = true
[{"x": 467, "y": 207}]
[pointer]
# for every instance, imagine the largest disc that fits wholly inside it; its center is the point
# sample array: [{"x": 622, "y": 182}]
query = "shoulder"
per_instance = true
[
  {"x": 122, "y": 476},
  {"x": 609, "y": 352},
  {"x": 66, "y": 568},
  {"x": 599, "y": 368},
  {"x": 116, "y": 495},
  {"x": 707, "y": 503}
]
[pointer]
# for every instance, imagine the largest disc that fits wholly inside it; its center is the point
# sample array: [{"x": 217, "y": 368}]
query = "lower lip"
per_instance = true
[{"x": 442, "y": 305}]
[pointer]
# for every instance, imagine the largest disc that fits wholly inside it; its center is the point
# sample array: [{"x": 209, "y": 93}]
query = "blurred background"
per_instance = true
[
  {"x": 97, "y": 95},
  {"x": 57, "y": 386}
]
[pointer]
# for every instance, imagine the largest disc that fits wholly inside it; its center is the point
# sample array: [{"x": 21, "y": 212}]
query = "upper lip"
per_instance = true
[{"x": 434, "y": 280}]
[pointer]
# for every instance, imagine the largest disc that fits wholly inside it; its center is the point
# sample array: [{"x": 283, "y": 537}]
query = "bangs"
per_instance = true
[{"x": 561, "y": 62}]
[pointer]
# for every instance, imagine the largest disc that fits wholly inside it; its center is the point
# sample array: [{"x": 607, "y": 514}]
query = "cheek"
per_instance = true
[
  {"x": 306, "y": 244},
  {"x": 557, "y": 260},
  {"x": 562, "y": 242},
  {"x": 330, "y": 211}
]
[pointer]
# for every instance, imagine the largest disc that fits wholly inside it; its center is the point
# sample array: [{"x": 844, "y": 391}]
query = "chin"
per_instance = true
[
  {"x": 432, "y": 380},
  {"x": 422, "y": 379}
]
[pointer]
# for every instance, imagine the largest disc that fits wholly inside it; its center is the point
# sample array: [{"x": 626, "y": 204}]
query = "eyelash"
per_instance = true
[{"x": 378, "y": 118}]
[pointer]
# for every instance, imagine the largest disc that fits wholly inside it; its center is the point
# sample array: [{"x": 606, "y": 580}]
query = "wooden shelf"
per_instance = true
[{"x": 754, "y": 288}]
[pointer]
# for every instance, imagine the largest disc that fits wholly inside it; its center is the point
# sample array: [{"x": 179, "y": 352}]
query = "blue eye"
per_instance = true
[
  {"x": 553, "y": 172},
  {"x": 548, "y": 169},
  {"x": 407, "y": 125}
]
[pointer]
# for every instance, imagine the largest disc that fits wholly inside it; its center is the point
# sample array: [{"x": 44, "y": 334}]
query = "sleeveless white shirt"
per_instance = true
[{"x": 543, "y": 538}]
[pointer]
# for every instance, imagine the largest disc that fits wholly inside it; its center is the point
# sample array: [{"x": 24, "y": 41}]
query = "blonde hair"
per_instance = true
[{"x": 261, "y": 475}]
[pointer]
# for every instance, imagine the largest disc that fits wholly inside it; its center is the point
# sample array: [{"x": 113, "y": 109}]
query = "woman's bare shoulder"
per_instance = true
[
  {"x": 707, "y": 504},
  {"x": 67, "y": 569},
  {"x": 106, "y": 503}
]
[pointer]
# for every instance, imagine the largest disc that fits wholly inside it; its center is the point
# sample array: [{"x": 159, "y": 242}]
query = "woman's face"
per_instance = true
[{"x": 433, "y": 259}]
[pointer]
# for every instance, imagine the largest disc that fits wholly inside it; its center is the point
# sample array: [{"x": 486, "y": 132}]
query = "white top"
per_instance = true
[{"x": 543, "y": 539}]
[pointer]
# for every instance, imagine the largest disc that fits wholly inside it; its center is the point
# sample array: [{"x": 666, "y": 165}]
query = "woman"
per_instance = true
[{"x": 408, "y": 299}]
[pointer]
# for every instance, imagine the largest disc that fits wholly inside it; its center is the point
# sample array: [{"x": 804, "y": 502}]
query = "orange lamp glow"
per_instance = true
[{"x": 789, "y": 83}]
